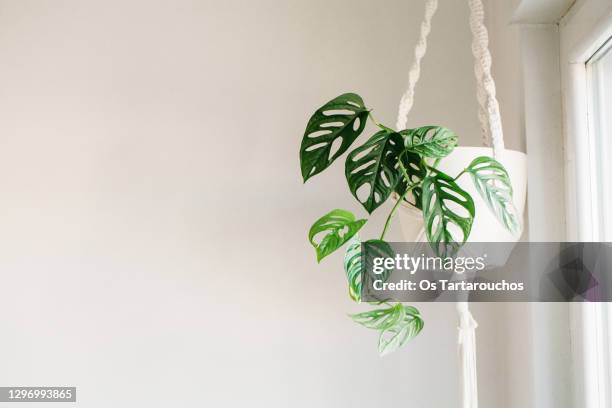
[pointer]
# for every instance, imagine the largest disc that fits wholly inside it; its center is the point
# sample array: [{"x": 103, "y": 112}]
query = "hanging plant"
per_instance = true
[{"x": 403, "y": 162}]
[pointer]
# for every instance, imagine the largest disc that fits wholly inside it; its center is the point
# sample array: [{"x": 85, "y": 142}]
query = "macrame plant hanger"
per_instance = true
[{"x": 492, "y": 135}]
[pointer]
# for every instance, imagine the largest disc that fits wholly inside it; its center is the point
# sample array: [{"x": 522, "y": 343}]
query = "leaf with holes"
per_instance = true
[
  {"x": 353, "y": 267},
  {"x": 415, "y": 171},
  {"x": 397, "y": 335},
  {"x": 397, "y": 324},
  {"x": 380, "y": 319},
  {"x": 494, "y": 186},
  {"x": 338, "y": 226},
  {"x": 375, "y": 249},
  {"x": 447, "y": 211},
  {"x": 342, "y": 119},
  {"x": 353, "y": 263},
  {"x": 371, "y": 169},
  {"x": 430, "y": 141}
]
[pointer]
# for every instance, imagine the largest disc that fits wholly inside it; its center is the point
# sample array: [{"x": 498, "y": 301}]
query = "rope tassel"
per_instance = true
[{"x": 467, "y": 350}]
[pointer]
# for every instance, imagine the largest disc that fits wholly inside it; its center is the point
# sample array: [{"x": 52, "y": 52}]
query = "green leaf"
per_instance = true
[
  {"x": 338, "y": 226},
  {"x": 397, "y": 324},
  {"x": 494, "y": 186},
  {"x": 373, "y": 167},
  {"x": 397, "y": 335},
  {"x": 430, "y": 141},
  {"x": 416, "y": 172},
  {"x": 343, "y": 117},
  {"x": 448, "y": 212},
  {"x": 380, "y": 319},
  {"x": 353, "y": 263},
  {"x": 353, "y": 267}
]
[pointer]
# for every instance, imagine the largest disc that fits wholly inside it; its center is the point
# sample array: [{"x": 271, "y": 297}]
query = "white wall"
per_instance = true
[{"x": 153, "y": 221}]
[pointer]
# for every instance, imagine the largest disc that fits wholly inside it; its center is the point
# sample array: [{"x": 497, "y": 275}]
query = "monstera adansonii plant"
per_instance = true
[{"x": 403, "y": 162}]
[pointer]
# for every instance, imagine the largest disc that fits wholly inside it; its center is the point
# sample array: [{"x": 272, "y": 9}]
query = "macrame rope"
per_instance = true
[
  {"x": 488, "y": 106},
  {"x": 483, "y": 118},
  {"x": 490, "y": 119},
  {"x": 415, "y": 70},
  {"x": 492, "y": 134},
  {"x": 467, "y": 350}
]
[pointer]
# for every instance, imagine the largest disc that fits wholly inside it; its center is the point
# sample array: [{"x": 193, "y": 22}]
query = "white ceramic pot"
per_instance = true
[{"x": 486, "y": 227}]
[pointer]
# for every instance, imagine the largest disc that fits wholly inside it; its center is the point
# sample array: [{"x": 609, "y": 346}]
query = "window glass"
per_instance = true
[
  {"x": 599, "y": 77},
  {"x": 599, "y": 69}
]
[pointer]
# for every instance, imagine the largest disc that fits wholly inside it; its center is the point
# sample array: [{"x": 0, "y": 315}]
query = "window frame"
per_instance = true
[{"x": 583, "y": 33}]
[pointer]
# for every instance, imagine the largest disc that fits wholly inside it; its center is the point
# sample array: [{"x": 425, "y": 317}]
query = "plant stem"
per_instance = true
[
  {"x": 372, "y": 118},
  {"x": 460, "y": 174},
  {"x": 383, "y": 127},
  {"x": 402, "y": 168},
  {"x": 405, "y": 173},
  {"x": 399, "y": 201}
]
